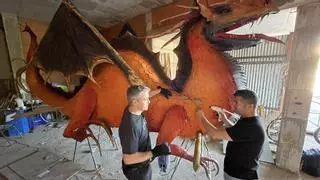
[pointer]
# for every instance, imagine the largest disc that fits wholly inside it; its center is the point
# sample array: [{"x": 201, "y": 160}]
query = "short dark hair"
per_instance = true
[
  {"x": 249, "y": 96},
  {"x": 134, "y": 91}
]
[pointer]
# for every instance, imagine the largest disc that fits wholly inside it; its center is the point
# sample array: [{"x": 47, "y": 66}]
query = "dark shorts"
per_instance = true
[{"x": 137, "y": 171}]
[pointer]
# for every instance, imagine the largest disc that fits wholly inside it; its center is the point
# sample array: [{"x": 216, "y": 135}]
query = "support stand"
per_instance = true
[{"x": 91, "y": 152}]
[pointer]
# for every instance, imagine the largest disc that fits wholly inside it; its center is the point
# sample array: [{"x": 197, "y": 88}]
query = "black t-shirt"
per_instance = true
[
  {"x": 133, "y": 133},
  {"x": 243, "y": 153}
]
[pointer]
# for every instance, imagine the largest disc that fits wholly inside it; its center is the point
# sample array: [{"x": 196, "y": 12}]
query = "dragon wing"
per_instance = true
[
  {"x": 127, "y": 40},
  {"x": 73, "y": 46}
]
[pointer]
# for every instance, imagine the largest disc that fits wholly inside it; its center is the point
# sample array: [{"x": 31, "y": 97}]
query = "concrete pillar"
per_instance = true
[
  {"x": 13, "y": 40},
  {"x": 301, "y": 76},
  {"x": 5, "y": 67},
  {"x": 6, "y": 76}
]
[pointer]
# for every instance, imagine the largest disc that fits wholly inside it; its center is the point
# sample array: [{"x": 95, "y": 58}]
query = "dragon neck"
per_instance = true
[
  {"x": 198, "y": 45},
  {"x": 184, "y": 57},
  {"x": 195, "y": 54},
  {"x": 211, "y": 74}
]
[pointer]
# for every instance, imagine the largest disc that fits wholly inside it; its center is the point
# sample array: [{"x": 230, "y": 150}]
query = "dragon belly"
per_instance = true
[{"x": 111, "y": 86}]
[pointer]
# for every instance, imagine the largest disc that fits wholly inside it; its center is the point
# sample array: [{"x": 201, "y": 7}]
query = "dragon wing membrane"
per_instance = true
[
  {"x": 73, "y": 46},
  {"x": 127, "y": 40}
]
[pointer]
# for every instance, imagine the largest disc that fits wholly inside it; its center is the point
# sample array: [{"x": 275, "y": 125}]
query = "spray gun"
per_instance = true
[{"x": 219, "y": 110}]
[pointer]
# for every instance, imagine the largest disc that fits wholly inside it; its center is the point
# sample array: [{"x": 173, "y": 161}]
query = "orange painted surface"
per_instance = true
[{"x": 210, "y": 81}]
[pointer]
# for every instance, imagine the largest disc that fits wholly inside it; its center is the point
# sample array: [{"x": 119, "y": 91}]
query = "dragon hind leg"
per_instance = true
[
  {"x": 82, "y": 107},
  {"x": 174, "y": 122}
]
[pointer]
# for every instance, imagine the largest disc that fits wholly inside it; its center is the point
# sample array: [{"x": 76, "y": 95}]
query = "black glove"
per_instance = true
[
  {"x": 165, "y": 92},
  {"x": 159, "y": 150}
]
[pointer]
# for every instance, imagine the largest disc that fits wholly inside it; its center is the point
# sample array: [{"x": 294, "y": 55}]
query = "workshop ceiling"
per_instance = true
[
  {"x": 99, "y": 12},
  {"x": 103, "y": 13}
]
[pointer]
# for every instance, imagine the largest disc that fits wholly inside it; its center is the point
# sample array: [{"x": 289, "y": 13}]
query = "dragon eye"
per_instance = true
[{"x": 223, "y": 9}]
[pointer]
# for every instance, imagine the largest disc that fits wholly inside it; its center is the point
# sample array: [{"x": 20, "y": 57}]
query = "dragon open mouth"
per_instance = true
[
  {"x": 223, "y": 33},
  {"x": 224, "y": 16},
  {"x": 219, "y": 34}
]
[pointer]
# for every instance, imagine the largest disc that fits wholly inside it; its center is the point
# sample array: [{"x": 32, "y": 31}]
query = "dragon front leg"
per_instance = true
[
  {"x": 80, "y": 110},
  {"x": 174, "y": 122}
]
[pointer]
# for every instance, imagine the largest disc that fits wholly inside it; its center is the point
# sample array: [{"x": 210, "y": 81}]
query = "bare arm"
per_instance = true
[
  {"x": 136, "y": 157},
  {"x": 154, "y": 92},
  {"x": 212, "y": 131}
]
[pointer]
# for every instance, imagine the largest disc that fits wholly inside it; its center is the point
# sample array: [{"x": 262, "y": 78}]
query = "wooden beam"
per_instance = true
[
  {"x": 167, "y": 16},
  {"x": 138, "y": 23}
]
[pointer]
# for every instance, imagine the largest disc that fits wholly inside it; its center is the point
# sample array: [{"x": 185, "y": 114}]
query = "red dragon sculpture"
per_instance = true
[{"x": 206, "y": 76}]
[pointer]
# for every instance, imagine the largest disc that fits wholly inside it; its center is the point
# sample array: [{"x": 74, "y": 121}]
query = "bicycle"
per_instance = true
[{"x": 273, "y": 128}]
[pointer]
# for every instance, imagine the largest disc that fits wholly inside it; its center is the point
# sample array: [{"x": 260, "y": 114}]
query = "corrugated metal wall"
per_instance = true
[{"x": 265, "y": 67}]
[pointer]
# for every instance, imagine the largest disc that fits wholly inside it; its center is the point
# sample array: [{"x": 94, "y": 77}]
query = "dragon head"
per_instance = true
[{"x": 225, "y": 16}]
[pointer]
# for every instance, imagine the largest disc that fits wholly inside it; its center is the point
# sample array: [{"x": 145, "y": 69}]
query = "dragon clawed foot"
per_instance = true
[{"x": 81, "y": 133}]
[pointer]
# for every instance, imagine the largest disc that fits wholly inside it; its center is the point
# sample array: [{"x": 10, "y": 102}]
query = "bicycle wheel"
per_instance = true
[
  {"x": 316, "y": 135},
  {"x": 273, "y": 130}
]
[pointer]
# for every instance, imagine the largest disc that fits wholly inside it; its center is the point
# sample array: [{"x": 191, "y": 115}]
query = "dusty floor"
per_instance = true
[{"x": 51, "y": 139}]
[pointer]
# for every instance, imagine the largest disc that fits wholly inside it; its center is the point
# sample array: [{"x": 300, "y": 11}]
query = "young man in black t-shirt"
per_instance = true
[
  {"x": 134, "y": 134},
  {"x": 245, "y": 138}
]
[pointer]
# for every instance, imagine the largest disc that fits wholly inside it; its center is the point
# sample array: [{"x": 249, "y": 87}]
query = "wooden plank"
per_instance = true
[
  {"x": 13, "y": 153},
  {"x": 8, "y": 173},
  {"x": 35, "y": 164},
  {"x": 173, "y": 14},
  {"x": 37, "y": 111}
]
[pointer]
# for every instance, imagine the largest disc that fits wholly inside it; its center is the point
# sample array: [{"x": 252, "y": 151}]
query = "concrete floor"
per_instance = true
[{"x": 51, "y": 140}]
